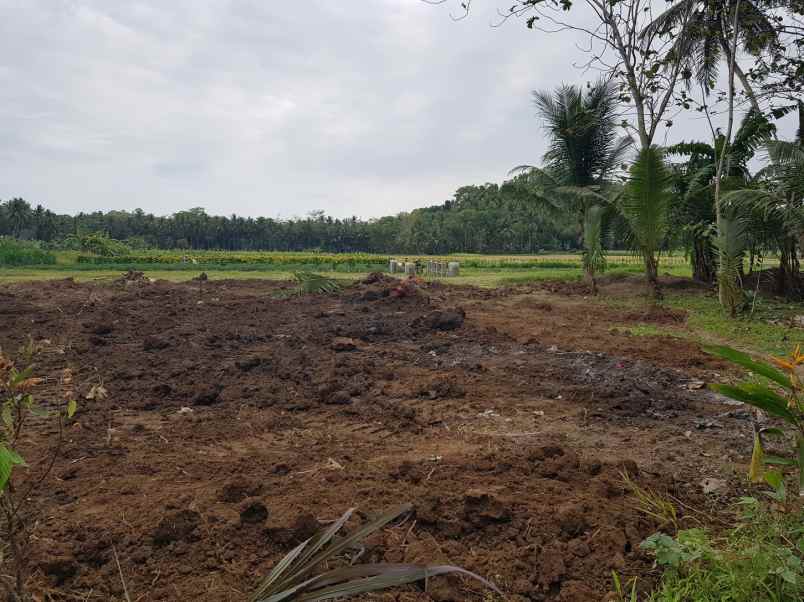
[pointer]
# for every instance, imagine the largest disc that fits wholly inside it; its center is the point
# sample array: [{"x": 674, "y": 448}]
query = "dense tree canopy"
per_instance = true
[{"x": 479, "y": 219}]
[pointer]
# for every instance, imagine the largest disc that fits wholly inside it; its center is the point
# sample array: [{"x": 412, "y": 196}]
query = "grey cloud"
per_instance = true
[{"x": 356, "y": 107}]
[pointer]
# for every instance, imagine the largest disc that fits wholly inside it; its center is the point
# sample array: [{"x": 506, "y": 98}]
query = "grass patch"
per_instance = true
[
  {"x": 767, "y": 331},
  {"x": 760, "y": 559},
  {"x": 33, "y": 275}
]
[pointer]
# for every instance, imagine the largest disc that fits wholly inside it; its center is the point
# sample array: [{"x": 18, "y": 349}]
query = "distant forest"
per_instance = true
[{"x": 479, "y": 219}]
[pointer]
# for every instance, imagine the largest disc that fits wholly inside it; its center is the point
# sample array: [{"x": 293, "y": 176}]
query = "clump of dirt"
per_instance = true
[
  {"x": 657, "y": 315},
  {"x": 446, "y": 319},
  {"x": 178, "y": 526}
]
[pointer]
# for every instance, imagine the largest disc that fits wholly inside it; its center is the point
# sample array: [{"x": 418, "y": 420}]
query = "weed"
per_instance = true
[
  {"x": 623, "y": 592},
  {"x": 760, "y": 559},
  {"x": 652, "y": 504}
]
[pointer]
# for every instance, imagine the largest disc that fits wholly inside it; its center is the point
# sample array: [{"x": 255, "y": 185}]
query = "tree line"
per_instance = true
[{"x": 488, "y": 218}]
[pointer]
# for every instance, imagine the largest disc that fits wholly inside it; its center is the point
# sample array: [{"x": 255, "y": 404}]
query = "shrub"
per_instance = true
[
  {"x": 97, "y": 244},
  {"x": 18, "y": 252}
]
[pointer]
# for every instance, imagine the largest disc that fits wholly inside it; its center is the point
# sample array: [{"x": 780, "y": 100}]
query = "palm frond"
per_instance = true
[
  {"x": 646, "y": 201},
  {"x": 294, "y": 579},
  {"x": 730, "y": 243},
  {"x": 311, "y": 283},
  {"x": 669, "y": 19}
]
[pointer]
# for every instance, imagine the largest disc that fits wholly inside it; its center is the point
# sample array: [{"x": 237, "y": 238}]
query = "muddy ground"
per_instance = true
[{"x": 237, "y": 422}]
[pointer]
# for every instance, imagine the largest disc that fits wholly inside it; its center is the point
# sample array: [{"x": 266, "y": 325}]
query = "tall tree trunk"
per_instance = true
[
  {"x": 732, "y": 56},
  {"x": 652, "y": 271},
  {"x": 703, "y": 261},
  {"x": 788, "y": 283}
]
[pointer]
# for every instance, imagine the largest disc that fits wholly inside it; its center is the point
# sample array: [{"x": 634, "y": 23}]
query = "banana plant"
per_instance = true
[{"x": 782, "y": 397}]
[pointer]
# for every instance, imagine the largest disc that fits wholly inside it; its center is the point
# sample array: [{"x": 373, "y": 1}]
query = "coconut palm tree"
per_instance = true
[
  {"x": 645, "y": 204},
  {"x": 19, "y": 214},
  {"x": 583, "y": 155},
  {"x": 594, "y": 259},
  {"x": 701, "y": 31}
]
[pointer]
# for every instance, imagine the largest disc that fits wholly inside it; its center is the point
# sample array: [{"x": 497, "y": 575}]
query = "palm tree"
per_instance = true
[
  {"x": 584, "y": 153},
  {"x": 645, "y": 204},
  {"x": 695, "y": 185},
  {"x": 730, "y": 243},
  {"x": 19, "y": 213},
  {"x": 701, "y": 30},
  {"x": 778, "y": 196},
  {"x": 594, "y": 259}
]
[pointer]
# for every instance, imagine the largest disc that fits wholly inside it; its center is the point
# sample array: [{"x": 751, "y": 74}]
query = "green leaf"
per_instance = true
[
  {"x": 72, "y": 406},
  {"x": 801, "y": 465},
  {"x": 772, "y": 431},
  {"x": 18, "y": 377},
  {"x": 7, "y": 416},
  {"x": 758, "y": 396},
  {"x": 741, "y": 359},
  {"x": 775, "y": 479},
  {"x": 8, "y": 460},
  {"x": 667, "y": 550},
  {"x": 779, "y": 461}
]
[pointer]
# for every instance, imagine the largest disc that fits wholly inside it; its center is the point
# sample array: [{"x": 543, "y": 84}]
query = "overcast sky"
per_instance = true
[{"x": 266, "y": 107}]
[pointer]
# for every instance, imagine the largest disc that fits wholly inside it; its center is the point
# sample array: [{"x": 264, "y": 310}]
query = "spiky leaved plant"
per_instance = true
[
  {"x": 296, "y": 578},
  {"x": 594, "y": 258},
  {"x": 311, "y": 283},
  {"x": 645, "y": 204},
  {"x": 730, "y": 244}
]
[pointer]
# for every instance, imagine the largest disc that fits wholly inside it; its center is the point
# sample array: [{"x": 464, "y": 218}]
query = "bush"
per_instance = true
[
  {"x": 97, "y": 244},
  {"x": 18, "y": 252}
]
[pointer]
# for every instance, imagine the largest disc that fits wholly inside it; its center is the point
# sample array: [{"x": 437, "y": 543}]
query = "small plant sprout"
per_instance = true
[{"x": 782, "y": 397}]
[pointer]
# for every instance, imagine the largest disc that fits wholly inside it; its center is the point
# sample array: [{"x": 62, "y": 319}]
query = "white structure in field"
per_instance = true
[{"x": 438, "y": 269}]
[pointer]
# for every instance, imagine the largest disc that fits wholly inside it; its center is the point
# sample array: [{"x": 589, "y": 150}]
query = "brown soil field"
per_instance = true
[{"x": 238, "y": 422}]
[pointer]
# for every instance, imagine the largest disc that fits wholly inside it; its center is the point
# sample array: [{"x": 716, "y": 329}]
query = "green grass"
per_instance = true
[
  {"x": 767, "y": 331},
  {"x": 759, "y": 560}
]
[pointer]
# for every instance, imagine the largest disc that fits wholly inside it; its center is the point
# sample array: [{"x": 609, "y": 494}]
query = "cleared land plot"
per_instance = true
[{"x": 508, "y": 430}]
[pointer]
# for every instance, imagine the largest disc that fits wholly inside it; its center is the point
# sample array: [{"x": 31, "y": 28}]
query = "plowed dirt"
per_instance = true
[{"x": 238, "y": 422}]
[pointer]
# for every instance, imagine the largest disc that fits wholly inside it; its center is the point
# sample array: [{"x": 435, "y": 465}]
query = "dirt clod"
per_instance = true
[
  {"x": 60, "y": 570},
  {"x": 447, "y": 319},
  {"x": 207, "y": 395},
  {"x": 239, "y": 489},
  {"x": 178, "y": 526},
  {"x": 155, "y": 343},
  {"x": 253, "y": 512}
]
